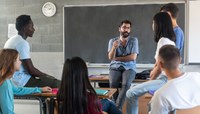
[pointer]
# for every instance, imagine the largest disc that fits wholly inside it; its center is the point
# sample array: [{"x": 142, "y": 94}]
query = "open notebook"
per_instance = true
[{"x": 101, "y": 91}]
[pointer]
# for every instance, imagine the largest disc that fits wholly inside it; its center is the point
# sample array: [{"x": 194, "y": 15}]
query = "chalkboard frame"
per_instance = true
[{"x": 115, "y": 33}]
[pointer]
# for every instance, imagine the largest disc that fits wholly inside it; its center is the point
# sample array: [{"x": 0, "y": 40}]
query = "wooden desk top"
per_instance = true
[
  {"x": 110, "y": 93},
  {"x": 99, "y": 78}
]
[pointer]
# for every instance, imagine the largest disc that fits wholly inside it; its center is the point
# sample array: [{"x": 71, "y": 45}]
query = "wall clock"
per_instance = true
[{"x": 49, "y": 9}]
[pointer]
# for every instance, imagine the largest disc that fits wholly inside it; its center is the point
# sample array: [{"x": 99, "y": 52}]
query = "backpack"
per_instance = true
[{"x": 143, "y": 75}]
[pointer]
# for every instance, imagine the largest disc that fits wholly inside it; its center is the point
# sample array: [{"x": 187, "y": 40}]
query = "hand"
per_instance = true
[
  {"x": 104, "y": 112},
  {"x": 116, "y": 43},
  {"x": 152, "y": 75},
  {"x": 46, "y": 89},
  {"x": 155, "y": 73}
]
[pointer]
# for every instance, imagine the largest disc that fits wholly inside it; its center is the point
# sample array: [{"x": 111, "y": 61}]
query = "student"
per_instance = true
[
  {"x": 173, "y": 10},
  {"x": 28, "y": 75},
  {"x": 76, "y": 95},
  {"x": 9, "y": 63},
  {"x": 122, "y": 51},
  {"x": 182, "y": 89},
  {"x": 163, "y": 35}
]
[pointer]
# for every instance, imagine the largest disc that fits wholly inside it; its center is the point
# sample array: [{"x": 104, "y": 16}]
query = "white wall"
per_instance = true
[
  {"x": 48, "y": 62},
  {"x": 194, "y": 32}
]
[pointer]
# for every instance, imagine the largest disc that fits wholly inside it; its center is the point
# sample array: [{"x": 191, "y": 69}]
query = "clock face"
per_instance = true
[{"x": 49, "y": 9}]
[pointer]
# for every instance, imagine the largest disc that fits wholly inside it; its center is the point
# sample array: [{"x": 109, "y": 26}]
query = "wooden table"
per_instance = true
[
  {"x": 105, "y": 79},
  {"x": 42, "y": 97},
  {"x": 109, "y": 95}
]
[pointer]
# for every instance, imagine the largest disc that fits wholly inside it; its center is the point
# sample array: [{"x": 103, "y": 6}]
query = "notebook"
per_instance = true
[{"x": 101, "y": 91}]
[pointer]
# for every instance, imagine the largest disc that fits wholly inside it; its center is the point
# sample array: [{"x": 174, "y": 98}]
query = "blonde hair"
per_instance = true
[{"x": 7, "y": 59}]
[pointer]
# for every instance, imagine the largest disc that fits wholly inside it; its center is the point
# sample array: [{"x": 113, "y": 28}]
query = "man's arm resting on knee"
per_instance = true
[{"x": 28, "y": 65}]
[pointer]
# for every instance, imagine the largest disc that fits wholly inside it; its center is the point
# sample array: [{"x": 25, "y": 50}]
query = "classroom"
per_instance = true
[{"x": 50, "y": 44}]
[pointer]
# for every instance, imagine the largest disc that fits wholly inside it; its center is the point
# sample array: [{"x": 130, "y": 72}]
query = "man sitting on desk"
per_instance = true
[
  {"x": 28, "y": 75},
  {"x": 182, "y": 89},
  {"x": 122, "y": 51}
]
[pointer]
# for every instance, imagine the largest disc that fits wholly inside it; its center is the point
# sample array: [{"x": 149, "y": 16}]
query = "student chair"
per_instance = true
[{"x": 28, "y": 106}]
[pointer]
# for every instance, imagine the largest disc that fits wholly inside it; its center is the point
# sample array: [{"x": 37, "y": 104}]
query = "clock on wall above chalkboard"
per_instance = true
[{"x": 49, "y": 9}]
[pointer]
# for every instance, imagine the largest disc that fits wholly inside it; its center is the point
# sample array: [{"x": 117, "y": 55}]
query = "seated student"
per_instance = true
[
  {"x": 182, "y": 89},
  {"x": 9, "y": 63},
  {"x": 163, "y": 35},
  {"x": 76, "y": 95},
  {"x": 122, "y": 51},
  {"x": 28, "y": 75}
]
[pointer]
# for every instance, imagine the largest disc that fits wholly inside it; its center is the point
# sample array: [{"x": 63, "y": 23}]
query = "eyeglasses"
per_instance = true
[{"x": 124, "y": 27}]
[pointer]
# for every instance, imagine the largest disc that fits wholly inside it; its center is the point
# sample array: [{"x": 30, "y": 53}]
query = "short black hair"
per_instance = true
[
  {"x": 126, "y": 21},
  {"x": 169, "y": 56},
  {"x": 22, "y": 21},
  {"x": 172, "y": 8}
]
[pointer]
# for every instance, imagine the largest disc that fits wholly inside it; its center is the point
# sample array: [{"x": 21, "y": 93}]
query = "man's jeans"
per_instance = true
[
  {"x": 138, "y": 90},
  {"x": 109, "y": 107},
  {"x": 124, "y": 78}
]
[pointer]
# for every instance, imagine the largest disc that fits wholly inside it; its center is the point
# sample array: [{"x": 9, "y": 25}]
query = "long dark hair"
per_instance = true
[
  {"x": 163, "y": 27},
  {"x": 7, "y": 59},
  {"x": 74, "y": 89}
]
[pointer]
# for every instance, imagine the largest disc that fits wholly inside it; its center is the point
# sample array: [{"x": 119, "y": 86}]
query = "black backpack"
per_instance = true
[{"x": 143, "y": 75}]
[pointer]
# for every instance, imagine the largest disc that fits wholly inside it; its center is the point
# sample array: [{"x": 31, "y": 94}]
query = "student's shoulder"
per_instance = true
[
  {"x": 165, "y": 40},
  {"x": 166, "y": 88},
  {"x": 5, "y": 84},
  {"x": 193, "y": 74},
  {"x": 178, "y": 30},
  {"x": 159, "y": 96}
]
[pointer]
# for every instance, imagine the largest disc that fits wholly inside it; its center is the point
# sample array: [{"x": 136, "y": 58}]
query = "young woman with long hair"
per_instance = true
[
  {"x": 76, "y": 95},
  {"x": 163, "y": 35},
  {"x": 9, "y": 63}
]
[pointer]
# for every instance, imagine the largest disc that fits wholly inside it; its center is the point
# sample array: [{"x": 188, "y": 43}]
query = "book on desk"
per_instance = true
[{"x": 101, "y": 91}]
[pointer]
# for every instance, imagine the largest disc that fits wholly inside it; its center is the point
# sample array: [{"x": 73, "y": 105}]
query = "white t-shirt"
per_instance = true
[
  {"x": 179, "y": 93},
  {"x": 21, "y": 77},
  {"x": 163, "y": 41}
]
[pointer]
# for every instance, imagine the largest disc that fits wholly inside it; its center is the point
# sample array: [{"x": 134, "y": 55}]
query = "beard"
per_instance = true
[{"x": 125, "y": 34}]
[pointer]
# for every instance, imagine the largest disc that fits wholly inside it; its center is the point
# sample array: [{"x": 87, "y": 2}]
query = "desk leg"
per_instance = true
[{"x": 94, "y": 84}]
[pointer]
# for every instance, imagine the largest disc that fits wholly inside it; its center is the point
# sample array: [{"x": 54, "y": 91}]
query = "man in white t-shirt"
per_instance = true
[
  {"x": 182, "y": 89},
  {"x": 28, "y": 75}
]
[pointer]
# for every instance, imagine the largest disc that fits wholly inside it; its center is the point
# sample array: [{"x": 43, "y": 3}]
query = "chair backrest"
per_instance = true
[
  {"x": 28, "y": 106},
  {"x": 194, "y": 110}
]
